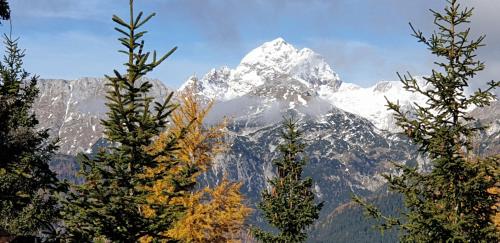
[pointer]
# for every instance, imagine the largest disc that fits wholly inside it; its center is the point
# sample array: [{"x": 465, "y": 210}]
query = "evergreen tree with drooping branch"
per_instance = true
[
  {"x": 109, "y": 203},
  {"x": 451, "y": 202},
  {"x": 289, "y": 204},
  {"x": 28, "y": 187}
]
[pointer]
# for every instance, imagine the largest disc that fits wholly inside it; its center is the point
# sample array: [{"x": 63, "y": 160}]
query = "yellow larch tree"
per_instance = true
[
  {"x": 206, "y": 215},
  {"x": 496, "y": 216},
  {"x": 495, "y": 193},
  {"x": 214, "y": 215}
]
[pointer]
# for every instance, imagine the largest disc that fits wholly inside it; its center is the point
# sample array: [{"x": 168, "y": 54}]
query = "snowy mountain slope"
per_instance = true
[
  {"x": 371, "y": 102},
  {"x": 72, "y": 110},
  {"x": 272, "y": 62}
]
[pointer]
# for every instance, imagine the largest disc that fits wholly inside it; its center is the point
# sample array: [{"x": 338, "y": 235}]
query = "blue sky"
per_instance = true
[{"x": 365, "y": 41}]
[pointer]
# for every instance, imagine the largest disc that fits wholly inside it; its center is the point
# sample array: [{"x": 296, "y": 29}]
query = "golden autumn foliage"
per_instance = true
[
  {"x": 494, "y": 191},
  {"x": 214, "y": 215},
  {"x": 196, "y": 149},
  {"x": 209, "y": 214},
  {"x": 496, "y": 217}
]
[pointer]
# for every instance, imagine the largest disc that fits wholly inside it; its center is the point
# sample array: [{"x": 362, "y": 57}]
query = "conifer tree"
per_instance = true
[
  {"x": 28, "y": 187},
  {"x": 496, "y": 214},
  {"x": 453, "y": 201},
  {"x": 213, "y": 215},
  {"x": 209, "y": 215},
  {"x": 109, "y": 203},
  {"x": 4, "y": 10},
  {"x": 289, "y": 204}
]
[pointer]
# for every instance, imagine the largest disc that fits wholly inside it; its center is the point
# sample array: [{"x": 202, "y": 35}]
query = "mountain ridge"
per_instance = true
[{"x": 277, "y": 60}]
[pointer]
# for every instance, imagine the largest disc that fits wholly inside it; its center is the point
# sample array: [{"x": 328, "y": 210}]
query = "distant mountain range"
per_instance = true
[{"x": 350, "y": 133}]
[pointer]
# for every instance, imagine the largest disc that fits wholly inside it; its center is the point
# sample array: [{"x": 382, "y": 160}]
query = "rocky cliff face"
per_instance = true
[{"x": 346, "y": 153}]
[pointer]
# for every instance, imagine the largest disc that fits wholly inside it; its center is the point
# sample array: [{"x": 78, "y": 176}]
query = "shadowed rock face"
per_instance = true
[
  {"x": 72, "y": 110},
  {"x": 346, "y": 154}
]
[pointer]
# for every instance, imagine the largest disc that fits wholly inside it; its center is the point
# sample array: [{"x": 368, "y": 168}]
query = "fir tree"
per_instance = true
[
  {"x": 453, "y": 201},
  {"x": 289, "y": 204},
  {"x": 28, "y": 187},
  {"x": 109, "y": 203}
]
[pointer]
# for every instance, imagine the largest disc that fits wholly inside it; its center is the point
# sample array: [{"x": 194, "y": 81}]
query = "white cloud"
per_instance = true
[
  {"x": 72, "y": 9},
  {"x": 364, "y": 63}
]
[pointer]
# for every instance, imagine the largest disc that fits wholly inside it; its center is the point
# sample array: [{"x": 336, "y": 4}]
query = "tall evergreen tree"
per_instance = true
[
  {"x": 27, "y": 185},
  {"x": 451, "y": 202},
  {"x": 109, "y": 203},
  {"x": 289, "y": 204},
  {"x": 4, "y": 10}
]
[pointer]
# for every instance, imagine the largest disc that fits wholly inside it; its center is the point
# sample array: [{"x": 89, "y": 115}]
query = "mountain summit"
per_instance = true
[
  {"x": 262, "y": 66},
  {"x": 276, "y": 72}
]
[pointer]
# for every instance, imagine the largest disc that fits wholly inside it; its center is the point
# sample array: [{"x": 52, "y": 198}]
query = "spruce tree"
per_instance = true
[
  {"x": 451, "y": 202},
  {"x": 28, "y": 187},
  {"x": 109, "y": 203},
  {"x": 289, "y": 204},
  {"x": 4, "y": 10}
]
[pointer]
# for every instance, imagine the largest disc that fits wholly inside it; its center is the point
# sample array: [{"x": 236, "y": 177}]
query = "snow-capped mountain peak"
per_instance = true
[
  {"x": 274, "y": 53},
  {"x": 279, "y": 57},
  {"x": 276, "y": 72},
  {"x": 264, "y": 65}
]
